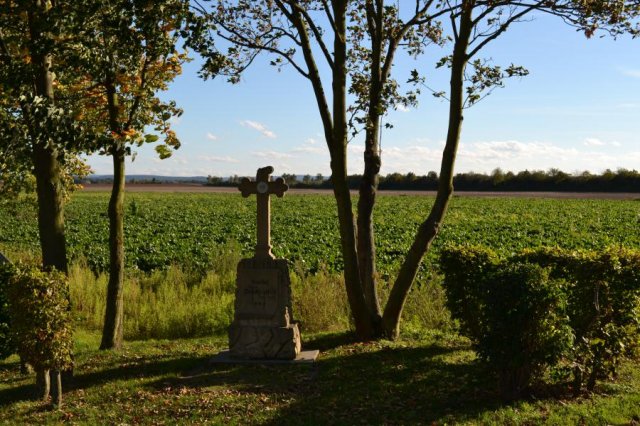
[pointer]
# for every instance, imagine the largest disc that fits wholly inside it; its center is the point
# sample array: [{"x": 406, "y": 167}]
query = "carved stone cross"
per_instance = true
[{"x": 263, "y": 187}]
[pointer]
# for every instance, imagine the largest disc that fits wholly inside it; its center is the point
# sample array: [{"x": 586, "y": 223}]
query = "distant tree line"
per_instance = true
[{"x": 621, "y": 180}]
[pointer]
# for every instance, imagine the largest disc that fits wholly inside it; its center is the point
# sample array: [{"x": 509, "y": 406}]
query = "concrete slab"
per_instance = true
[{"x": 305, "y": 357}]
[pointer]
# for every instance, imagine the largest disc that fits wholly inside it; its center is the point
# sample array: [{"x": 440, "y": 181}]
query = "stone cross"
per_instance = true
[{"x": 263, "y": 187}]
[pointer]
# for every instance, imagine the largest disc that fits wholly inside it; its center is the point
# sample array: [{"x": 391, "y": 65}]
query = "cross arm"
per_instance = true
[
  {"x": 278, "y": 187},
  {"x": 247, "y": 187}
]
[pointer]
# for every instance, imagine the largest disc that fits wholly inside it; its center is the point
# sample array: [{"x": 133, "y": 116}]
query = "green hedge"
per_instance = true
[
  {"x": 604, "y": 306},
  {"x": 540, "y": 307},
  {"x": 514, "y": 313}
]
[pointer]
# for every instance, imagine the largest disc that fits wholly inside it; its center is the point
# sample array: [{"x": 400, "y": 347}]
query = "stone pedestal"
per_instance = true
[{"x": 263, "y": 327}]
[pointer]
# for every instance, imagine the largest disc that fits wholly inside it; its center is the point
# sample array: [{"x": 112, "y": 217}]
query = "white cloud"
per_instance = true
[
  {"x": 628, "y": 105},
  {"x": 271, "y": 154},
  {"x": 402, "y": 108},
  {"x": 211, "y": 136},
  {"x": 311, "y": 141},
  {"x": 515, "y": 155},
  {"x": 415, "y": 158},
  {"x": 593, "y": 142},
  {"x": 217, "y": 159},
  {"x": 355, "y": 148},
  {"x": 630, "y": 72},
  {"x": 310, "y": 149},
  {"x": 259, "y": 127},
  {"x": 485, "y": 156}
]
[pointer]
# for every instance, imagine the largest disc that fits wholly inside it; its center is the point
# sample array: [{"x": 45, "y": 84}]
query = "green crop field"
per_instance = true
[{"x": 187, "y": 229}]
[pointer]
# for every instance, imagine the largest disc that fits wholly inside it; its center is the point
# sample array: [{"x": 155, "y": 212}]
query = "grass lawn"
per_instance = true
[{"x": 425, "y": 379}]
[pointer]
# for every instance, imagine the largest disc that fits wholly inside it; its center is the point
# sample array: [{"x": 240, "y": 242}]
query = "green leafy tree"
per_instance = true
[
  {"x": 475, "y": 24},
  {"x": 348, "y": 48},
  {"x": 325, "y": 41},
  {"x": 38, "y": 128}
]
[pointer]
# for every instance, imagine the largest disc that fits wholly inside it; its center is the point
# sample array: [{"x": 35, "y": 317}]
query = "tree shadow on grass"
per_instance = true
[
  {"x": 138, "y": 367},
  {"x": 411, "y": 385},
  {"x": 329, "y": 341},
  {"x": 141, "y": 367},
  {"x": 355, "y": 385}
]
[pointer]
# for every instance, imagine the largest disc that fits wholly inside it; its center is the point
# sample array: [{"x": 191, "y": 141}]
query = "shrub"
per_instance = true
[
  {"x": 41, "y": 322},
  {"x": 603, "y": 306},
  {"x": 7, "y": 346},
  {"x": 513, "y": 312},
  {"x": 598, "y": 292}
]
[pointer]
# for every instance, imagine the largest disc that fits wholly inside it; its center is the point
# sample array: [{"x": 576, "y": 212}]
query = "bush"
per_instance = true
[
  {"x": 603, "y": 306},
  {"x": 513, "y": 312},
  {"x": 7, "y": 347},
  {"x": 41, "y": 321},
  {"x": 597, "y": 292}
]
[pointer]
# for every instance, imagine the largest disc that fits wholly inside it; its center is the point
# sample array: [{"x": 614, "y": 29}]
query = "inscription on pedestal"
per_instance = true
[{"x": 257, "y": 293}]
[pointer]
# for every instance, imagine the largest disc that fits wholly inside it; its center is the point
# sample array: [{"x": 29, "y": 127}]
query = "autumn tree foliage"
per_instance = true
[
  {"x": 130, "y": 55},
  {"x": 346, "y": 50}
]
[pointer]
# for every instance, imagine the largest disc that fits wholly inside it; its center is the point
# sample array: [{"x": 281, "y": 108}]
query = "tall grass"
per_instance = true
[
  {"x": 177, "y": 302},
  {"x": 167, "y": 303},
  {"x": 319, "y": 301}
]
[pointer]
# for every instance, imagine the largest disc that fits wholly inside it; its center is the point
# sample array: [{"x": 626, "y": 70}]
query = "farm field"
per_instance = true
[{"x": 188, "y": 228}]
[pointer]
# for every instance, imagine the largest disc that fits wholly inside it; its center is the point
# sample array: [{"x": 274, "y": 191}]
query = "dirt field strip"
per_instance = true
[{"x": 144, "y": 187}]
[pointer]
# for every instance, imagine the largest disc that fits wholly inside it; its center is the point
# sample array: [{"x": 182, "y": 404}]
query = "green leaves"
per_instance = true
[{"x": 485, "y": 78}]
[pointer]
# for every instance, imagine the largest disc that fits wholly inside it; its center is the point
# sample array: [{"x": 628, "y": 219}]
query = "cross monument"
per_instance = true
[
  {"x": 263, "y": 327},
  {"x": 263, "y": 187}
]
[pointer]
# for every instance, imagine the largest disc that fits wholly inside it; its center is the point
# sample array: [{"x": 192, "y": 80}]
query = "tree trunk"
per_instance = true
[
  {"x": 46, "y": 166},
  {"x": 366, "y": 236},
  {"x": 372, "y": 163},
  {"x": 361, "y": 316},
  {"x": 112, "y": 333},
  {"x": 338, "y": 149},
  {"x": 58, "y": 397},
  {"x": 43, "y": 385},
  {"x": 430, "y": 227},
  {"x": 55, "y": 380},
  {"x": 50, "y": 208}
]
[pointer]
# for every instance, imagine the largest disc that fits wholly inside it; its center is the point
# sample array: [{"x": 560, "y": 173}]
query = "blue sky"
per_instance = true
[{"x": 579, "y": 109}]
